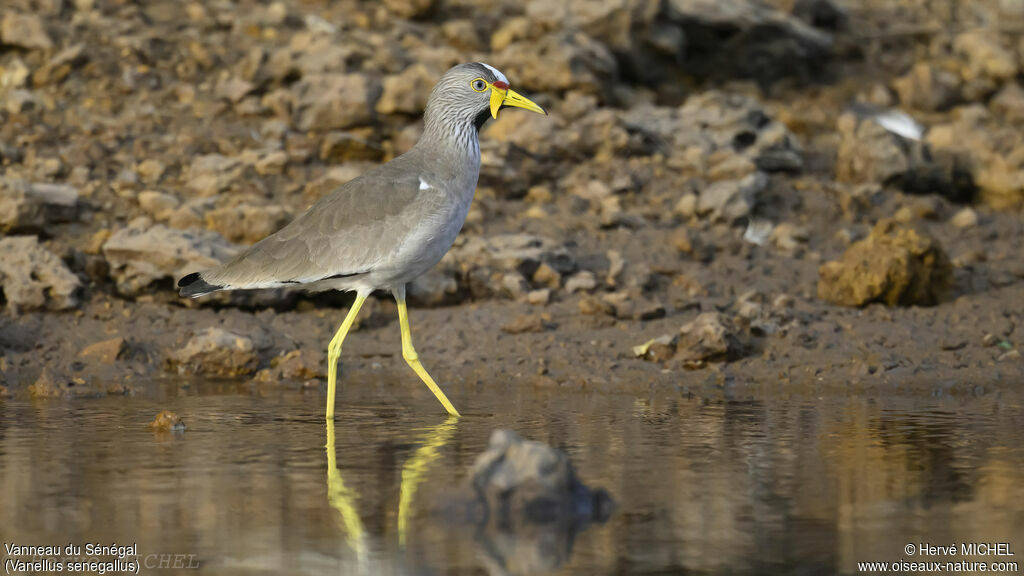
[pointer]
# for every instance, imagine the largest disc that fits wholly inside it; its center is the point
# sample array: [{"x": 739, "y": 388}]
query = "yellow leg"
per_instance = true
[
  {"x": 413, "y": 359},
  {"x": 334, "y": 352}
]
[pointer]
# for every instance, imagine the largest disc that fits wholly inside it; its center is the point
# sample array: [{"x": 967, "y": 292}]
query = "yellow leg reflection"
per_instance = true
[
  {"x": 412, "y": 473},
  {"x": 343, "y": 500}
]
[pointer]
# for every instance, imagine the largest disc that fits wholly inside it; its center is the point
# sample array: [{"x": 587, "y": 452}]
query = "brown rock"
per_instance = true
[
  {"x": 24, "y": 31},
  {"x": 105, "y": 352},
  {"x": 894, "y": 265},
  {"x": 167, "y": 421},
  {"x": 53, "y": 383},
  {"x": 247, "y": 223},
  {"x": 524, "y": 323},
  {"x": 407, "y": 91},
  {"x": 708, "y": 338},
  {"x": 216, "y": 352},
  {"x": 334, "y": 101}
]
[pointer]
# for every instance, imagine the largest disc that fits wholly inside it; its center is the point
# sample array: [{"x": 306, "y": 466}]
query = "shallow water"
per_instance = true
[{"x": 740, "y": 483}]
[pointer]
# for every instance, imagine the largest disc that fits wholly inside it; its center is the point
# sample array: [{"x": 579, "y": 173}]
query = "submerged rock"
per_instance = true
[
  {"x": 894, "y": 265},
  {"x": 522, "y": 482},
  {"x": 167, "y": 421},
  {"x": 32, "y": 277}
]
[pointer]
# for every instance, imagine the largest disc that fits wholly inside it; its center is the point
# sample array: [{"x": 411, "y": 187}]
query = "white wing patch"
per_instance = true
[
  {"x": 423, "y": 184},
  {"x": 901, "y": 124},
  {"x": 497, "y": 73}
]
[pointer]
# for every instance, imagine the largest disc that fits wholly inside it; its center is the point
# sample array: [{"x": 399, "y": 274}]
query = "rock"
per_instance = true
[
  {"x": 28, "y": 207},
  {"x": 965, "y": 218},
  {"x": 870, "y": 153},
  {"x": 295, "y": 366},
  {"x": 407, "y": 91},
  {"x": 521, "y": 252},
  {"x": 142, "y": 253},
  {"x": 151, "y": 170},
  {"x": 437, "y": 287},
  {"x": 334, "y": 101},
  {"x": 24, "y": 31},
  {"x": 927, "y": 87},
  {"x": 582, "y": 281},
  {"x": 731, "y": 200},
  {"x": 167, "y": 421},
  {"x": 215, "y": 352},
  {"x": 32, "y": 277},
  {"x": 350, "y": 146},
  {"x": 213, "y": 173},
  {"x": 105, "y": 352},
  {"x": 524, "y": 323},
  {"x": 409, "y": 8},
  {"x": 53, "y": 383},
  {"x": 559, "y": 62},
  {"x": 894, "y": 265},
  {"x": 988, "y": 62},
  {"x": 158, "y": 204},
  {"x": 745, "y": 39},
  {"x": 713, "y": 125},
  {"x": 520, "y": 482},
  {"x": 657, "y": 349},
  {"x": 825, "y": 14},
  {"x": 247, "y": 223},
  {"x": 538, "y": 297},
  {"x": 708, "y": 338},
  {"x": 60, "y": 66}
]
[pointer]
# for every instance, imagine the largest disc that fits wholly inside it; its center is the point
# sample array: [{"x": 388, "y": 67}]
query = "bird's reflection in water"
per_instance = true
[{"x": 344, "y": 500}]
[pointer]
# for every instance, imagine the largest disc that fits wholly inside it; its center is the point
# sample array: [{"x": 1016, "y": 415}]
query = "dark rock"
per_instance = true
[{"x": 711, "y": 337}]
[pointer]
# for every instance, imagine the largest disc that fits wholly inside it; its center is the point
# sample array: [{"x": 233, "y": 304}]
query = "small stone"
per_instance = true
[
  {"x": 686, "y": 207},
  {"x": 105, "y": 352},
  {"x": 167, "y": 421},
  {"x": 524, "y": 323},
  {"x": 582, "y": 281},
  {"x": 657, "y": 349},
  {"x": 592, "y": 306},
  {"x": 158, "y": 204},
  {"x": 680, "y": 238},
  {"x": 616, "y": 264},
  {"x": 545, "y": 275},
  {"x": 708, "y": 338},
  {"x": 965, "y": 218},
  {"x": 539, "y": 297},
  {"x": 151, "y": 170},
  {"x": 30, "y": 207}
]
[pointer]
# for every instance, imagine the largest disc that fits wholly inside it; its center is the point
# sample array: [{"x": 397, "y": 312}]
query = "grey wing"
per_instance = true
[{"x": 350, "y": 231}]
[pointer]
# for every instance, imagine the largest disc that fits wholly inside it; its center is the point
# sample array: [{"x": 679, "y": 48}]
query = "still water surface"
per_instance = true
[{"x": 741, "y": 483}]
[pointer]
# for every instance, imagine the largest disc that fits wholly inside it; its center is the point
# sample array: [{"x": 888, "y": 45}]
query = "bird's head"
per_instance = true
[{"x": 474, "y": 92}]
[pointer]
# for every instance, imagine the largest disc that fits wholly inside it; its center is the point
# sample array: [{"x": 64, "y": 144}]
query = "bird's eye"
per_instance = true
[{"x": 479, "y": 85}]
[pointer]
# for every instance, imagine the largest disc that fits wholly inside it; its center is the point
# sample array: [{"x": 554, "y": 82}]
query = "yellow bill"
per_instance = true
[{"x": 508, "y": 97}]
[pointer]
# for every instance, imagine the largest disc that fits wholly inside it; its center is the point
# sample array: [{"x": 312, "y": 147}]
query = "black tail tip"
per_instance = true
[{"x": 194, "y": 285}]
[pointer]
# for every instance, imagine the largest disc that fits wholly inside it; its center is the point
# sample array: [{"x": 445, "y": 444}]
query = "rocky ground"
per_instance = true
[{"x": 802, "y": 192}]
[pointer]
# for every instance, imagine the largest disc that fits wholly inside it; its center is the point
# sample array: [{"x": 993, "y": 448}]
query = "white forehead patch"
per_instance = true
[{"x": 497, "y": 73}]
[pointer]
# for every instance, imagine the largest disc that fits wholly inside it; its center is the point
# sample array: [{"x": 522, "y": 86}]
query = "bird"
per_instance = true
[{"x": 388, "y": 226}]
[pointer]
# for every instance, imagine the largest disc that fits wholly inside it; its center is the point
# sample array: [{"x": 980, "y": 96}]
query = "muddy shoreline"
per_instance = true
[{"x": 670, "y": 228}]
